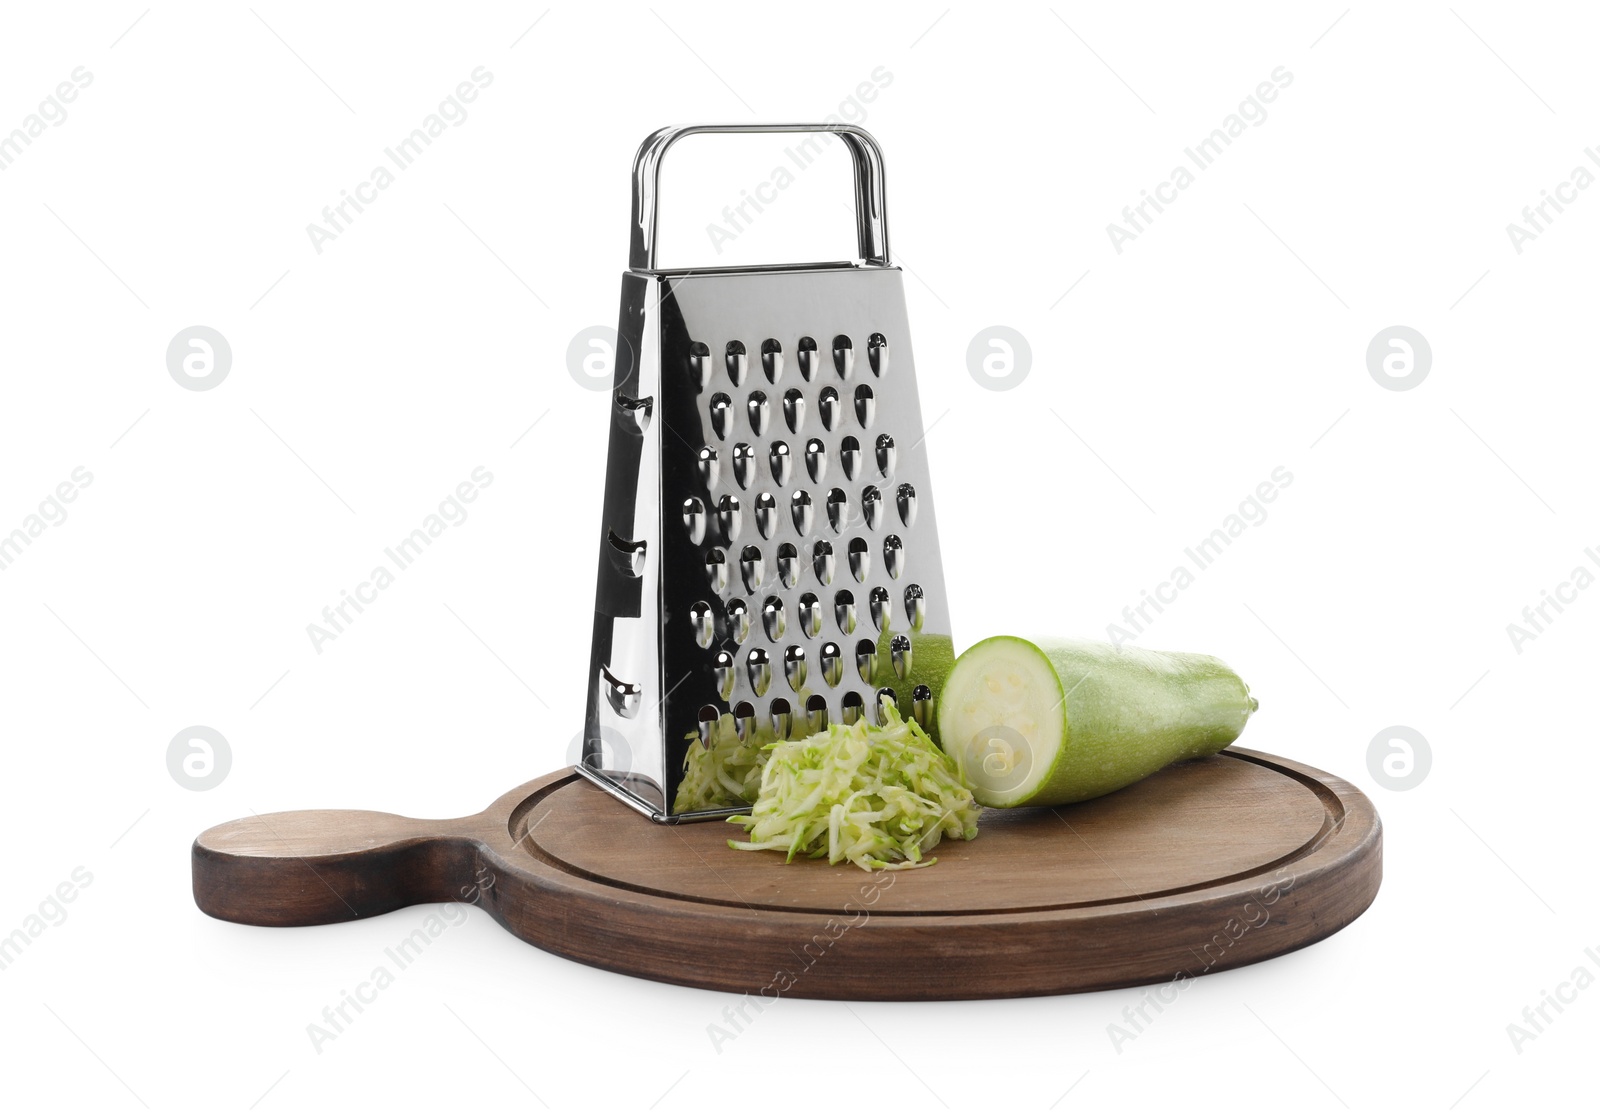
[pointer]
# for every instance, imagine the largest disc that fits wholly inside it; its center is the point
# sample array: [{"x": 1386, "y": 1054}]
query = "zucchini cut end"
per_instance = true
[{"x": 1003, "y": 719}]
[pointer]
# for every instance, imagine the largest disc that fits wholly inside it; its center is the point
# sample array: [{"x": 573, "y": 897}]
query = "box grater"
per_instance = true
[{"x": 768, "y": 536}]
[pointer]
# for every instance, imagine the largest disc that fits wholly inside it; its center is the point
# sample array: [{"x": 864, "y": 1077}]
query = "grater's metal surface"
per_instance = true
[{"x": 768, "y": 512}]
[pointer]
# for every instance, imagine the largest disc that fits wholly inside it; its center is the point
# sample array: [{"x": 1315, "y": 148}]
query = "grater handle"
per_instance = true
[{"x": 872, "y": 223}]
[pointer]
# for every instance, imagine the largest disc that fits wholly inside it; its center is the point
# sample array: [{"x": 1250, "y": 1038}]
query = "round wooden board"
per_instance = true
[{"x": 1204, "y": 866}]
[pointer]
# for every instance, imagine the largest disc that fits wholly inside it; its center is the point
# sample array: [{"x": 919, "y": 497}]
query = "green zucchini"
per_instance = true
[{"x": 1055, "y": 722}]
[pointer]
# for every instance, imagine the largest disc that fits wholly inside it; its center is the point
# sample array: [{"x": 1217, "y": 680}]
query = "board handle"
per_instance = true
[{"x": 319, "y": 867}]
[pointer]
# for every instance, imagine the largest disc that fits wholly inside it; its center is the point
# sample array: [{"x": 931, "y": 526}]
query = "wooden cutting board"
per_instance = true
[{"x": 1205, "y": 866}]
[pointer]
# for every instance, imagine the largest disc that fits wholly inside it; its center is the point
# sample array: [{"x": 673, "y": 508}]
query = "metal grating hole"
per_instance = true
[
  {"x": 816, "y": 714},
  {"x": 694, "y": 519},
  {"x": 738, "y": 363},
  {"x": 916, "y": 607},
  {"x": 774, "y": 619},
  {"x": 806, "y": 354},
  {"x": 721, "y": 414},
  {"x": 860, "y": 559},
  {"x": 794, "y": 410},
  {"x": 850, "y": 456},
  {"x": 851, "y": 708},
  {"x": 627, "y": 556},
  {"x": 844, "y": 356},
  {"x": 905, "y": 499},
  {"x": 782, "y": 718},
  {"x": 828, "y": 407},
  {"x": 831, "y": 661},
  {"x": 810, "y": 614},
  {"x": 838, "y": 509},
  {"x": 700, "y": 365},
  {"x": 878, "y": 354},
  {"x": 844, "y": 612},
  {"x": 794, "y": 667},
  {"x": 900, "y": 654},
  {"x": 624, "y": 697},
  {"x": 894, "y": 555},
  {"x": 800, "y": 511},
  {"x": 883, "y": 701},
  {"x": 772, "y": 360},
  {"x": 744, "y": 719},
  {"x": 866, "y": 406},
  {"x": 738, "y": 620},
  {"x": 729, "y": 517},
  {"x": 703, "y": 624},
  {"x": 866, "y": 659},
  {"x": 766, "y": 515},
  {"x": 816, "y": 459},
  {"x": 758, "y": 411},
  {"x": 744, "y": 464},
  {"x": 758, "y": 666},
  {"x": 635, "y": 411},
  {"x": 822, "y": 561},
  {"x": 780, "y": 462},
  {"x": 722, "y": 672},
  {"x": 885, "y": 455},
  {"x": 878, "y": 607},
  {"x": 706, "y": 464},
  {"x": 872, "y": 507},
  {"x": 752, "y": 568},
  {"x": 717, "y": 569},
  {"x": 788, "y": 564}
]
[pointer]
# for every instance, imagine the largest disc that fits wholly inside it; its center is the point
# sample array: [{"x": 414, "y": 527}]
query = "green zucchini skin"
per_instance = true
[{"x": 1128, "y": 712}]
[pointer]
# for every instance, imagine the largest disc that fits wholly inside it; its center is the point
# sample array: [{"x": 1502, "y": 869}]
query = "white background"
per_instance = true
[{"x": 368, "y": 380}]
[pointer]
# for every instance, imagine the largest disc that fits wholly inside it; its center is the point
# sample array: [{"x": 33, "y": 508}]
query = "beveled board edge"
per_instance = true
[{"x": 887, "y": 956}]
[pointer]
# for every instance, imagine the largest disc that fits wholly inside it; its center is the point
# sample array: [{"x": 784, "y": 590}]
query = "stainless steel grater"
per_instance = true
[{"x": 768, "y": 539}]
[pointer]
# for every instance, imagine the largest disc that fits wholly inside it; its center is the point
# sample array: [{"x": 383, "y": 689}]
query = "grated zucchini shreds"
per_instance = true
[
  {"x": 724, "y": 774},
  {"x": 873, "y": 796}
]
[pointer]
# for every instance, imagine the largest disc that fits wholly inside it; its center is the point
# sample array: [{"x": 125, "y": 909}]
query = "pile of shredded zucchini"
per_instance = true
[
  {"x": 873, "y": 796},
  {"x": 724, "y": 774}
]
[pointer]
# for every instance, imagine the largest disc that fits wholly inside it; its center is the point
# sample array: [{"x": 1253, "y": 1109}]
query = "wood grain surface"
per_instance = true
[{"x": 1204, "y": 866}]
